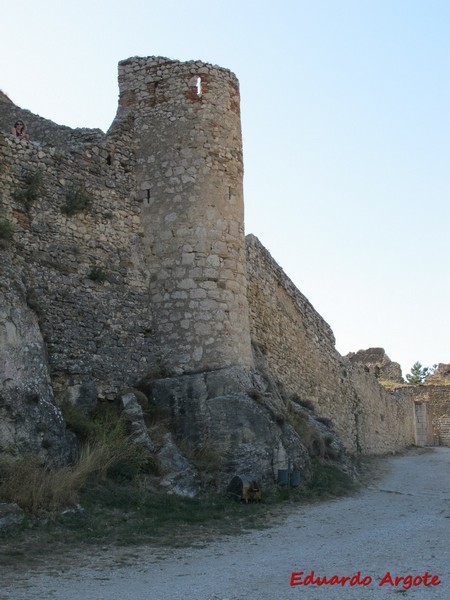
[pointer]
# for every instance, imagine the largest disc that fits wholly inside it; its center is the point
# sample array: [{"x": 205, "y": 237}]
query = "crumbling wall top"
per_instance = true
[{"x": 152, "y": 81}]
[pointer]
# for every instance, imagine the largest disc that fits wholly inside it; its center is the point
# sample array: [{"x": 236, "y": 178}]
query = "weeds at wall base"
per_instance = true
[
  {"x": 120, "y": 500},
  {"x": 129, "y": 513}
]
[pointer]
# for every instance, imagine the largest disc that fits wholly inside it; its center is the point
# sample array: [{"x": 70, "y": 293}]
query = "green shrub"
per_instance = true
[
  {"x": 28, "y": 195},
  {"x": 98, "y": 274},
  {"x": 206, "y": 459},
  {"x": 77, "y": 200},
  {"x": 6, "y": 229},
  {"x": 79, "y": 423},
  {"x": 255, "y": 394},
  {"x": 304, "y": 403},
  {"x": 327, "y": 481}
]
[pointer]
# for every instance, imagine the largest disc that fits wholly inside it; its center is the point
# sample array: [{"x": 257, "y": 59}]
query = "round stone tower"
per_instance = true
[{"x": 185, "y": 121}]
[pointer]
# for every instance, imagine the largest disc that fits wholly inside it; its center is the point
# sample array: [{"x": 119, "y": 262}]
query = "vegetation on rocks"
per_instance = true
[
  {"x": 30, "y": 193},
  {"x": 97, "y": 274},
  {"x": 105, "y": 452},
  {"x": 77, "y": 200},
  {"x": 6, "y": 230},
  {"x": 114, "y": 484}
]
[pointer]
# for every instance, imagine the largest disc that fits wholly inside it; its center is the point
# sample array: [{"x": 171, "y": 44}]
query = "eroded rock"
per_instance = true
[
  {"x": 30, "y": 422},
  {"x": 216, "y": 408}
]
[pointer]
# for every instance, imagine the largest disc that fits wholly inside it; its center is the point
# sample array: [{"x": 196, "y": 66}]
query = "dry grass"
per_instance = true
[
  {"x": 39, "y": 490},
  {"x": 391, "y": 385}
]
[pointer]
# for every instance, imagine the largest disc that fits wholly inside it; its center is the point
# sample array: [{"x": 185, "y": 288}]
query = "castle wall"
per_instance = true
[
  {"x": 45, "y": 132},
  {"x": 165, "y": 229},
  {"x": 165, "y": 224},
  {"x": 189, "y": 170},
  {"x": 298, "y": 346},
  {"x": 435, "y": 401},
  {"x": 98, "y": 334}
]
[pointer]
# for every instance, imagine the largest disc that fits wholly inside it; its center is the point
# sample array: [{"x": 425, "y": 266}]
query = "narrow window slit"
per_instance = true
[
  {"x": 146, "y": 199},
  {"x": 199, "y": 86}
]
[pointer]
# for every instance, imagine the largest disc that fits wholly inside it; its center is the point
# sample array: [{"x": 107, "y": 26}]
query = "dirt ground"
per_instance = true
[{"x": 397, "y": 527}]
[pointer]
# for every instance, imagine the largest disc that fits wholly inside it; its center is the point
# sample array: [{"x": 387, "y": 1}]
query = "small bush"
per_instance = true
[
  {"x": 327, "y": 481},
  {"x": 6, "y": 230},
  {"x": 97, "y": 274},
  {"x": 325, "y": 421},
  {"x": 77, "y": 200},
  {"x": 31, "y": 192},
  {"x": 79, "y": 423},
  {"x": 206, "y": 459}
]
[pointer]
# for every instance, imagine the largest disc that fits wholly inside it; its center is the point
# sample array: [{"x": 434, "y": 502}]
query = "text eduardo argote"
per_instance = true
[{"x": 405, "y": 582}]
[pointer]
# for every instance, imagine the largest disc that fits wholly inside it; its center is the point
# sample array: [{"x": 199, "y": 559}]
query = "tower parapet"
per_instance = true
[{"x": 189, "y": 173}]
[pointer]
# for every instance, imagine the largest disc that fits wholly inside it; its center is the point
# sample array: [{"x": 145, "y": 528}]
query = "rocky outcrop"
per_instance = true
[
  {"x": 179, "y": 476},
  {"x": 30, "y": 422},
  {"x": 227, "y": 410},
  {"x": 133, "y": 416},
  {"x": 378, "y": 363},
  {"x": 4, "y": 98},
  {"x": 441, "y": 375}
]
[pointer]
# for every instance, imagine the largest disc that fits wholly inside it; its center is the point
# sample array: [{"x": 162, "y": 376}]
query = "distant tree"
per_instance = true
[{"x": 418, "y": 373}]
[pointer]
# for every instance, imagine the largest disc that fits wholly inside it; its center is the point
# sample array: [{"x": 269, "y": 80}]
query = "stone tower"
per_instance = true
[{"x": 185, "y": 120}]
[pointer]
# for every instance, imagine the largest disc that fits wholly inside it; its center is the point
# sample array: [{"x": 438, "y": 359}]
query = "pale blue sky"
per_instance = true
[{"x": 345, "y": 116}]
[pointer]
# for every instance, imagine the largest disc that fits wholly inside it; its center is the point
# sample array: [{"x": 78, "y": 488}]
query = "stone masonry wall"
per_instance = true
[
  {"x": 153, "y": 272},
  {"x": 189, "y": 173},
  {"x": 376, "y": 361},
  {"x": 298, "y": 346},
  {"x": 165, "y": 225},
  {"x": 44, "y": 131},
  {"x": 436, "y": 399},
  {"x": 98, "y": 334}
]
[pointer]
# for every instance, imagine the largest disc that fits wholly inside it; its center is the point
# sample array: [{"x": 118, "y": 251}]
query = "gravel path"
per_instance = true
[{"x": 399, "y": 525}]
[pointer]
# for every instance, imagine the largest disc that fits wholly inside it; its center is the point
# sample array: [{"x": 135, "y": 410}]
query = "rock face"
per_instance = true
[
  {"x": 441, "y": 375},
  {"x": 225, "y": 410},
  {"x": 4, "y": 98},
  {"x": 133, "y": 415},
  {"x": 378, "y": 363},
  {"x": 29, "y": 420},
  {"x": 179, "y": 476}
]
